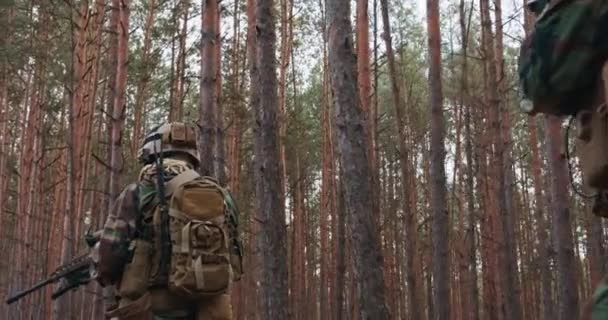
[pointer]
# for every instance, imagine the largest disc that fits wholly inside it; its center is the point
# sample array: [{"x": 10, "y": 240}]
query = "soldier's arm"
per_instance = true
[{"x": 117, "y": 233}]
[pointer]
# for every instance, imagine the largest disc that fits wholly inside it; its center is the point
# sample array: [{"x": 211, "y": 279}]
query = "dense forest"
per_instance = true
[{"x": 380, "y": 163}]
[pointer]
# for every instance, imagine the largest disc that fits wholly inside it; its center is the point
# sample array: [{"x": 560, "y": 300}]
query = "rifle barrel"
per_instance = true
[{"x": 25, "y": 292}]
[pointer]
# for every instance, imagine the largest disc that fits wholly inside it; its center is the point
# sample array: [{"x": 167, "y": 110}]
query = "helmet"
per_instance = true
[
  {"x": 169, "y": 139},
  {"x": 536, "y": 6}
]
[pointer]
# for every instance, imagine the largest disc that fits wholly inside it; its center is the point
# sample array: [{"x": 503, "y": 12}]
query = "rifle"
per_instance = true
[
  {"x": 73, "y": 274},
  {"x": 164, "y": 211}
]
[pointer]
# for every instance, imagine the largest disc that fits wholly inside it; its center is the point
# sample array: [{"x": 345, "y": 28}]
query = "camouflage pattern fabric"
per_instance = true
[
  {"x": 561, "y": 58},
  {"x": 213, "y": 308},
  {"x": 600, "y": 302},
  {"x": 117, "y": 233},
  {"x": 120, "y": 227}
]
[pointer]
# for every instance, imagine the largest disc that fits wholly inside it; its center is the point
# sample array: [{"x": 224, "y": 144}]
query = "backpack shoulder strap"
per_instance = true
[{"x": 179, "y": 180}]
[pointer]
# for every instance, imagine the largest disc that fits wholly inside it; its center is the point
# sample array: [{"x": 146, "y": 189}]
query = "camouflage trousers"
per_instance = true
[
  {"x": 216, "y": 308},
  {"x": 160, "y": 305}
]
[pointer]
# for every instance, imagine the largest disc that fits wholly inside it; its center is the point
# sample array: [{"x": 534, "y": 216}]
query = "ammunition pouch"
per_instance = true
[{"x": 135, "y": 277}]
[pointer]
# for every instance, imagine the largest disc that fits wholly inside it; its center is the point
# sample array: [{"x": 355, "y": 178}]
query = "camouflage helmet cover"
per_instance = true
[{"x": 169, "y": 139}]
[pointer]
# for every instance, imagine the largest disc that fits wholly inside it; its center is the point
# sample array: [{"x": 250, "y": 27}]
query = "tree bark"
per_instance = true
[
  {"x": 118, "y": 113},
  {"x": 353, "y": 142},
  {"x": 441, "y": 266},
  {"x": 562, "y": 227},
  {"x": 141, "y": 95},
  {"x": 220, "y": 151},
  {"x": 270, "y": 206},
  {"x": 503, "y": 151},
  {"x": 364, "y": 86},
  {"x": 544, "y": 247},
  {"x": 409, "y": 211},
  {"x": 208, "y": 102},
  {"x": 471, "y": 290}
]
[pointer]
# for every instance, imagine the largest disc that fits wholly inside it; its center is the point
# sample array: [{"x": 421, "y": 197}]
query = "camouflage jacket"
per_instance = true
[{"x": 121, "y": 227}]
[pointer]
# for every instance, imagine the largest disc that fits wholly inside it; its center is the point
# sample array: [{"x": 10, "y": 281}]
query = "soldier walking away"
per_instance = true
[{"x": 170, "y": 244}]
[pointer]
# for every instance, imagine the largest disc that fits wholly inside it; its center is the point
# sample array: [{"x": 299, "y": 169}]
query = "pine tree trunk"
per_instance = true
[
  {"x": 340, "y": 272},
  {"x": 118, "y": 113},
  {"x": 141, "y": 95},
  {"x": 285, "y": 50},
  {"x": 207, "y": 113},
  {"x": 269, "y": 204},
  {"x": 220, "y": 151},
  {"x": 471, "y": 291},
  {"x": 566, "y": 279},
  {"x": 353, "y": 142},
  {"x": 544, "y": 247},
  {"x": 5, "y": 41},
  {"x": 503, "y": 151},
  {"x": 364, "y": 86},
  {"x": 441, "y": 266},
  {"x": 414, "y": 287},
  {"x": 327, "y": 188}
]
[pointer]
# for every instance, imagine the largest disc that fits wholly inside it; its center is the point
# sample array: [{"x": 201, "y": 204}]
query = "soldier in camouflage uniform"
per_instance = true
[
  {"x": 125, "y": 224},
  {"x": 566, "y": 34}
]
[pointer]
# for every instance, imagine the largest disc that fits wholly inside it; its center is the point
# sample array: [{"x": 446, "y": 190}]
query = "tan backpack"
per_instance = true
[{"x": 202, "y": 256}]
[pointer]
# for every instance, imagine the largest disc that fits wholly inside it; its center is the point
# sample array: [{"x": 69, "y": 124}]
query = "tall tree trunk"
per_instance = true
[
  {"x": 364, "y": 86},
  {"x": 566, "y": 279},
  {"x": 6, "y": 40},
  {"x": 207, "y": 113},
  {"x": 409, "y": 211},
  {"x": 472, "y": 290},
  {"x": 118, "y": 113},
  {"x": 285, "y": 49},
  {"x": 496, "y": 198},
  {"x": 220, "y": 151},
  {"x": 300, "y": 227},
  {"x": 141, "y": 94},
  {"x": 503, "y": 153},
  {"x": 328, "y": 203},
  {"x": 471, "y": 295},
  {"x": 269, "y": 204},
  {"x": 441, "y": 267},
  {"x": 353, "y": 142},
  {"x": 544, "y": 247}
]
